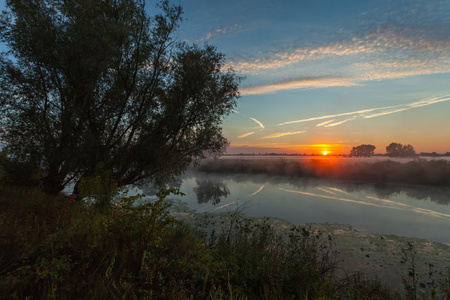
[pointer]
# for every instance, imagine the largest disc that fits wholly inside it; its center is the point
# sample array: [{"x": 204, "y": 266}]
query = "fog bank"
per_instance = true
[{"x": 419, "y": 171}]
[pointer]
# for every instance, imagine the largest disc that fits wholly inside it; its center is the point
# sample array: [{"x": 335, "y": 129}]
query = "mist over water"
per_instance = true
[
  {"x": 416, "y": 171},
  {"x": 378, "y": 202}
]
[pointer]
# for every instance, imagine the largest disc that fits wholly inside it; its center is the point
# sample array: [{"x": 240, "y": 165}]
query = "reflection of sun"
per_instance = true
[{"x": 324, "y": 152}]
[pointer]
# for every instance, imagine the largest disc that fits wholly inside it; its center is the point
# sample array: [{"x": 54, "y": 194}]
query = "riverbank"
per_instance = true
[
  {"x": 389, "y": 259},
  {"x": 57, "y": 249}
]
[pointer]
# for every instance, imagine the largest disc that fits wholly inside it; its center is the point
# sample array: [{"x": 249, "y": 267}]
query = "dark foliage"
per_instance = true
[
  {"x": 89, "y": 82},
  {"x": 399, "y": 150},
  {"x": 363, "y": 150}
]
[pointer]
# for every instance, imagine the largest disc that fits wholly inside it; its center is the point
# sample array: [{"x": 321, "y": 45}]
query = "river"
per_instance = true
[{"x": 408, "y": 210}]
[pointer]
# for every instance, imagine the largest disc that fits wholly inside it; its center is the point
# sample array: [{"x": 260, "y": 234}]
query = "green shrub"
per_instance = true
[
  {"x": 98, "y": 188},
  {"x": 54, "y": 249}
]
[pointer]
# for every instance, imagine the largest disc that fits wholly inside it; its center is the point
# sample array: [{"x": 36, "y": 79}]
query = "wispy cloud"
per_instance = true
[
  {"x": 260, "y": 125},
  {"x": 330, "y": 116},
  {"x": 321, "y": 124},
  {"x": 369, "y": 113},
  {"x": 303, "y": 83},
  {"x": 277, "y": 135},
  {"x": 341, "y": 122},
  {"x": 392, "y": 41},
  {"x": 257, "y": 122},
  {"x": 245, "y": 134},
  {"x": 219, "y": 32}
]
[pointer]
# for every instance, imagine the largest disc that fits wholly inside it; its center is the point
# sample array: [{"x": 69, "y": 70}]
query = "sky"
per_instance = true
[{"x": 330, "y": 75}]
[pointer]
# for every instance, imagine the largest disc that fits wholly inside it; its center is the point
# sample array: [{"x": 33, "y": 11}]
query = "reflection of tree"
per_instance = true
[{"x": 210, "y": 190}]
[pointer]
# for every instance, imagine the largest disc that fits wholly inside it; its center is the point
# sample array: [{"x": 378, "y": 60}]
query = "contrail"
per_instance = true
[
  {"x": 245, "y": 135},
  {"x": 276, "y": 135},
  {"x": 332, "y": 116},
  {"x": 258, "y": 122},
  {"x": 370, "y": 113},
  {"x": 253, "y": 119}
]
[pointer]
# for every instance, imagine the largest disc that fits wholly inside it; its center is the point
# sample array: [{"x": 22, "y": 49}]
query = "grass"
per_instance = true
[{"x": 54, "y": 249}]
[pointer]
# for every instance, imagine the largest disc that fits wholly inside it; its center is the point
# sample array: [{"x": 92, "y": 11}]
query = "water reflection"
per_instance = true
[
  {"x": 210, "y": 190},
  {"x": 212, "y": 187},
  {"x": 419, "y": 211},
  {"x": 151, "y": 189}
]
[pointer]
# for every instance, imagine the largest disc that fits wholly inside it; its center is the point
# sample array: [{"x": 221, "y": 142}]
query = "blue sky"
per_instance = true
[{"x": 329, "y": 75}]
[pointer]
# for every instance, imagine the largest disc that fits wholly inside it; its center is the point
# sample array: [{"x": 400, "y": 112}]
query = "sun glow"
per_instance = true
[{"x": 324, "y": 152}]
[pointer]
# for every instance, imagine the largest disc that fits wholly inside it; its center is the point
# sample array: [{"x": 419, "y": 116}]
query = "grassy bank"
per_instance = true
[{"x": 56, "y": 249}]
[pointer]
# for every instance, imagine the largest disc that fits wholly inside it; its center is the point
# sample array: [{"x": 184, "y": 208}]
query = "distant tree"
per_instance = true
[
  {"x": 399, "y": 150},
  {"x": 90, "y": 82},
  {"x": 363, "y": 150}
]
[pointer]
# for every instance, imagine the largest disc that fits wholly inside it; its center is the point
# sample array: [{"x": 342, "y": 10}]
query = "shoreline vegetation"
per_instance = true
[{"x": 53, "y": 248}]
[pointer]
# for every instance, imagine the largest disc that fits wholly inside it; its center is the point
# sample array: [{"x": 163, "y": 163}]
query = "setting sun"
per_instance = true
[{"x": 324, "y": 152}]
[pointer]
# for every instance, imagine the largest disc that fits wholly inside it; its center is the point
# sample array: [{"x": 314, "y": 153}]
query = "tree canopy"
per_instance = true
[
  {"x": 399, "y": 150},
  {"x": 363, "y": 150},
  {"x": 87, "y": 82}
]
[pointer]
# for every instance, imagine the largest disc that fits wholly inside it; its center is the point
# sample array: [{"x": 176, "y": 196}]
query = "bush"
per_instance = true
[{"x": 55, "y": 249}]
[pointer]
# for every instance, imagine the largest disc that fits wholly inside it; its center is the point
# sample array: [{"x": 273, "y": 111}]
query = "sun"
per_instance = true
[{"x": 324, "y": 152}]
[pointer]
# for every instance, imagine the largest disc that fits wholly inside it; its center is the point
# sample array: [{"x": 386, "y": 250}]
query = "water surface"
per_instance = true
[{"x": 407, "y": 210}]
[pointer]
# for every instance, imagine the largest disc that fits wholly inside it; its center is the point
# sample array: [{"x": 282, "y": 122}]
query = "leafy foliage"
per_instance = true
[
  {"x": 89, "y": 82},
  {"x": 399, "y": 150},
  {"x": 98, "y": 188},
  {"x": 363, "y": 150},
  {"x": 55, "y": 249}
]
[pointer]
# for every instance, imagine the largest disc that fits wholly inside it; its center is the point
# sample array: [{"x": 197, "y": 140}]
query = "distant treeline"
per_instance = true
[
  {"x": 417, "y": 171},
  {"x": 424, "y": 154}
]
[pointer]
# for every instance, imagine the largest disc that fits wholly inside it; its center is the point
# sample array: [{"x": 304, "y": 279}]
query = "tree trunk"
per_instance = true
[{"x": 51, "y": 186}]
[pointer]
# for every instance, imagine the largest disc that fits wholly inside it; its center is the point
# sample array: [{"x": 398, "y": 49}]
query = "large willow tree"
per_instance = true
[{"x": 100, "y": 81}]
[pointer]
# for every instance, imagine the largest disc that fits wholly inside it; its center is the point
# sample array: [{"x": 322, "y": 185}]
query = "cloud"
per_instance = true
[
  {"x": 260, "y": 125},
  {"x": 325, "y": 123},
  {"x": 304, "y": 83},
  {"x": 245, "y": 135},
  {"x": 341, "y": 122},
  {"x": 391, "y": 41},
  {"x": 280, "y": 59},
  {"x": 277, "y": 135},
  {"x": 330, "y": 116},
  {"x": 257, "y": 122},
  {"x": 222, "y": 31},
  {"x": 369, "y": 113}
]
